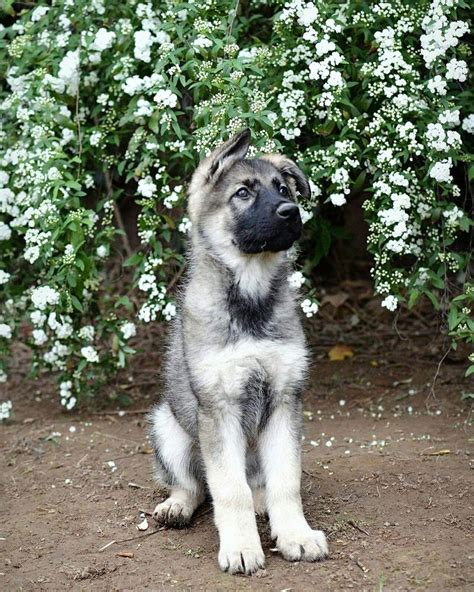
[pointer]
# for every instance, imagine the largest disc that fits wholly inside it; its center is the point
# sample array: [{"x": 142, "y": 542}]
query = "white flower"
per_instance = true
[
  {"x": 43, "y": 296},
  {"x": 4, "y": 277},
  {"x": 67, "y": 136},
  {"x": 90, "y": 354},
  {"x": 65, "y": 388},
  {"x": 64, "y": 330},
  {"x": 146, "y": 187},
  {"x": 39, "y": 13},
  {"x": 4, "y": 178},
  {"x": 102, "y": 251},
  {"x": 165, "y": 98},
  {"x": 54, "y": 174},
  {"x": 390, "y": 302},
  {"x": 133, "y": 85},
  {"x": 457, "y": 70},
  {"x": 305, "y": 214},
  {"x": 144, "y": 108},
  {"x": 308, "y": 14},
  {"x": 169, "y": 311},
  {"x": 103, "y": 40},
  {"x": 87, "y": 333},
  {"x": 173, "y": 197},
  {"x": 340, "y": 176},
  {"x": 450, "y": 117},
  {"x": 31, "y": 254},
  {"x": 5, "y": 331},
  {"x": 146, "y": 282},
  {"x": 309, "y": 308},
  {"x": 3, "y": 376},
  {"x": 37, "y": 318},
  {"x": 69, "y": 72},
  {"x": 437, "y": 85},
  {"x": 39, "y": 337},
  {"x": 201, "y": 41},
  {"x": 143, "y": 42},
  {"x": 185, "y": 225},
  {"x": 52, "y": 321},
  {"x": 71, "y": 403},
  {"x": 441, "y": 171},
  {"x": 453, "y": 215},
  {"x": 5, "y": 408},
  {"x": 337, "y": 199},
  {"x": 5, "y": 231},
  {"x": 128, "y": 330},
  {"x": 112, "y": 465},
  {"x": 296, "y": 280},
  {"x": 468, "y": 124},
  {"x": 95, "y": 138}
]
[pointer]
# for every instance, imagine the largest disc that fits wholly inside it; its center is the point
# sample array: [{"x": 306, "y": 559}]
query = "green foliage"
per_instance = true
[{"x": 106, "y": 103}]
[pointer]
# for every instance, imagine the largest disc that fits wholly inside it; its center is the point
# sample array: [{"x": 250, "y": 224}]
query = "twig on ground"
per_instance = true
[
  {"x": 137, "y": 486},
  {"x": 106, "y": 546},
  {"x": 81, "y": 460},
  {"x": 357, "y": 527},
  {"x": 359, "y": 565},
  {"x": 141, "y": 536},
  {"x": 437, "y": 453},
  {"x": 122, "y": 413}
]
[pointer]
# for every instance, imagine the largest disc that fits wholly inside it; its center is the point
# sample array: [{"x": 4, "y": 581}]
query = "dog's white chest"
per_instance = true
[{"x": 224, "y": 371}]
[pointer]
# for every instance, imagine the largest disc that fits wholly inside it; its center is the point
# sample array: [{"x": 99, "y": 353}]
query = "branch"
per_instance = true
[{"x": 118, "y": 215}]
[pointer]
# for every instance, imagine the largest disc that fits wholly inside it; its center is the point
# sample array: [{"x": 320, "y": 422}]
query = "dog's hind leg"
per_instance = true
[{"x": 176, "y": 468}]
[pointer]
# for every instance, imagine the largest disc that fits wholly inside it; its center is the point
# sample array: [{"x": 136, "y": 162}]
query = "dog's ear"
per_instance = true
[
  {"x": 294, "y": 176},
  {"x": 227, "y": 154}
]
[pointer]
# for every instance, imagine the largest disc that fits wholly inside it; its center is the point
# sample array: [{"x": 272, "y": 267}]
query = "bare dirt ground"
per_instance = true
[{"x": 387, "y": 474}]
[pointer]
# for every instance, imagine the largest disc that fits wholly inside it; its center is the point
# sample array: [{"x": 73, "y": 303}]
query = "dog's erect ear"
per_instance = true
[
  {"x": 227, "y": 154},
  {"x": 294, "y": 176}
]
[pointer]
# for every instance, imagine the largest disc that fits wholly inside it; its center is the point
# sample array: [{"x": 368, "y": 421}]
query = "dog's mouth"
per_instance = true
[{"x": 275, "y": 243}]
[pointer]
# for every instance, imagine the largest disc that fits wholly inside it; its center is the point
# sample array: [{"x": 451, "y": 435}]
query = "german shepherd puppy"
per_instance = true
[{"x": 230, "y": 421}]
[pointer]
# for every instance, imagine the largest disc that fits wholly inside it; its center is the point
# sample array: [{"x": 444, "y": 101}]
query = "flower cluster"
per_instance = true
[
  {"x": 105, "y": 103},
  {"x": 5, "y": 410}
]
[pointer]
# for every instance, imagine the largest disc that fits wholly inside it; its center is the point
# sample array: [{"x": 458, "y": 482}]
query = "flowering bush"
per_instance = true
[{"x": 105, "y": 102}]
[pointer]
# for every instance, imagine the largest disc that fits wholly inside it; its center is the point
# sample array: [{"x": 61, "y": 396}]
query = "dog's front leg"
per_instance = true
[
  {"x": 280, "y": 453},
  {"x": 223, "y": 449}
]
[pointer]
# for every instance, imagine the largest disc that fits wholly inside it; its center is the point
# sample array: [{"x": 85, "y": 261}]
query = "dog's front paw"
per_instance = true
[
  {"x": 173, "y": 512},
  {"x": 244, "y": 559},
  {"x": 307, "y": 545}
]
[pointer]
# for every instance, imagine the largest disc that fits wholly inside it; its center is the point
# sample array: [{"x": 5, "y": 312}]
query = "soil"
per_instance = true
[{"x": 387, "y": 474}]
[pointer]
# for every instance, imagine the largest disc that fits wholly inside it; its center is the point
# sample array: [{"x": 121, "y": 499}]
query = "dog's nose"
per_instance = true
[{"x": 287, "y": 211}]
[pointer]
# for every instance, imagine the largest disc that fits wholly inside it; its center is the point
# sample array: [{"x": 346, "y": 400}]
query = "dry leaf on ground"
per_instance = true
[{"x": 340, "y": 352}]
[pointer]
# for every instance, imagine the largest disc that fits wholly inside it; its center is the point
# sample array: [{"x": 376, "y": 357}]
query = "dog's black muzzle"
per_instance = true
[{"x": 271, "y": 224}]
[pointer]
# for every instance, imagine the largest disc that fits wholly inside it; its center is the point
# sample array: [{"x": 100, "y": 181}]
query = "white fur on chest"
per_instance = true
[{"x": 223, "y": 372}]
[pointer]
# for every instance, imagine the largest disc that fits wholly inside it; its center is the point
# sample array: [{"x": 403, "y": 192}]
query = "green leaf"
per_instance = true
[
  {"x": 124, "y": 301},
  {"x": 76, "y": 303},
  {"x": 133, "y": 260},
  {"x": 413, "y": 299},
  {"x": 470, "y": 371},
  {"x": 432, "y": 298}
]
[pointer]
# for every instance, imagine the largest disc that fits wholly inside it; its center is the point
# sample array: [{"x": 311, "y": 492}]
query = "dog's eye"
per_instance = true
[
  {"x": 284, "y": 191},
  {"x": 243, "y": 193}
]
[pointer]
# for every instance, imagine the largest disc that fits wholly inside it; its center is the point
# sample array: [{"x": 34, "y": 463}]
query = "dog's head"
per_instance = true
[{"x": 247, "y": 204}]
